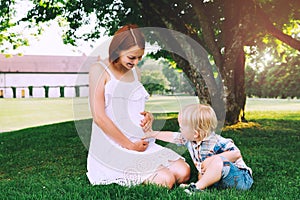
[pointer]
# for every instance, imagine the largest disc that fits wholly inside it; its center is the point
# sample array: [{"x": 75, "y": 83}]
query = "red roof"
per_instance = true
[{"x": 40, "y": 63}]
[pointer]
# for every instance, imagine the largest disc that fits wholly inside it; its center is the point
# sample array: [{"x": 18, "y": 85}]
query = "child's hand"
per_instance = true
[{"x": 150, "y": 134}]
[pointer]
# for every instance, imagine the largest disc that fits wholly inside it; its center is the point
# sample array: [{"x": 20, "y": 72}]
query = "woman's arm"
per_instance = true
[{"x": 97, "y": 80}]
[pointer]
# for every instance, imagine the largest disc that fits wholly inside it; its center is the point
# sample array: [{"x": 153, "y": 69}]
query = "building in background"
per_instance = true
[{"x": 44, "y": 76}]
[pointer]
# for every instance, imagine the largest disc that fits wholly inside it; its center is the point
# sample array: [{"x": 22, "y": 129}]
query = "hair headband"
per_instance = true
[{"x": 134, "y": 38}]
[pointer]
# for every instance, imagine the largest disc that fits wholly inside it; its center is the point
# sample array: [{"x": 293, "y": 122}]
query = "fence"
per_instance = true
[{"x": 28, "y": 91}]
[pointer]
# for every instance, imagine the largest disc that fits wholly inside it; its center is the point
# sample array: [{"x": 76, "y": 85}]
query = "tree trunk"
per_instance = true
[
  {"x": 230, "y": 64},
  {"x": 234, "y": 83},
  {"x": 239, "y": 79}
]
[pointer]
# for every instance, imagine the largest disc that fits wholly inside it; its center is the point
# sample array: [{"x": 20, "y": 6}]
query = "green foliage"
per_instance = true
[
  {"x": 30, "y": 88},
  {"x": 172, "y": 76},
  {"x": 62, "y": 91},
  {"x": 223, "y": 29},
  {"x": 274, "y": 72},
  {"x": 9, "y": 39},
  {"x": 154, "y": 81},
  {"x": 5, "y": 15},
  {"x": 46, "y": 88},
  {"x": 112, "y": 14},
  {"x": 179, "y": 82},
  {"x": 14, "y": 90}
]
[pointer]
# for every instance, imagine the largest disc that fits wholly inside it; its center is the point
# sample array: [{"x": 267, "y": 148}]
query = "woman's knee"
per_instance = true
[
  {"x": 163, "y": 177},
  {"x": 181, "y": 170}
]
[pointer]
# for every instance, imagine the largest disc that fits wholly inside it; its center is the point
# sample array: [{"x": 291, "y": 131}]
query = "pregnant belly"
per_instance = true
[{"x": 131, "y": 129}]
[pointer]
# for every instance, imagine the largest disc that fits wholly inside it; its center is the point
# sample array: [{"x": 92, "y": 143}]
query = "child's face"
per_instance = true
[{"x": 185, "y": 130}]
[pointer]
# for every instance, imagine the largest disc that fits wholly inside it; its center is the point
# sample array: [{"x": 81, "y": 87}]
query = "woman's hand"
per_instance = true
[
  {"x": 140, "y": 145},
  {"x": 146, "y": 123}
]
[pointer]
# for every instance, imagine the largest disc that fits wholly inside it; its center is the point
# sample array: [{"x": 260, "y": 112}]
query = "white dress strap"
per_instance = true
[
  {"x": 107, "y": 69},
  {"x": 135, "y": 74}
]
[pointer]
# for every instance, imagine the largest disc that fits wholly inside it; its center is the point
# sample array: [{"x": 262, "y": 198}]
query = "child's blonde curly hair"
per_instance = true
[{"x": 199, "y": 117}]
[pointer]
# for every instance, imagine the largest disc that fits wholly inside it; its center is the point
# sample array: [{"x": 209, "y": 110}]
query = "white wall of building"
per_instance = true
[{"x": 38, "y": 81}]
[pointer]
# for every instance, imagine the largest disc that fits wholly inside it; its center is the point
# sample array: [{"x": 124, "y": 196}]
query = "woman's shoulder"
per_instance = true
[
  {"x": 99, "y": 65},
  {"x": 98, "y": 69}
]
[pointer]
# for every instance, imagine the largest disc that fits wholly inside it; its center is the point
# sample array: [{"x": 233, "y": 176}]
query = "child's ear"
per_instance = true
[{"x": 196, "y": 134}]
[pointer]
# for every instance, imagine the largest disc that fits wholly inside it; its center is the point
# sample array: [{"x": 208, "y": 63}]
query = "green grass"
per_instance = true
[
  {"x": 49, "y": 162},
  {"x": 262, "y": 104},
  {"x": 16, "y": 114}
]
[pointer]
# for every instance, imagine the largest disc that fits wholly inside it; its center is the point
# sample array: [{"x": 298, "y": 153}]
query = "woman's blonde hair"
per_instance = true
[{"x": 199, "y": 117}]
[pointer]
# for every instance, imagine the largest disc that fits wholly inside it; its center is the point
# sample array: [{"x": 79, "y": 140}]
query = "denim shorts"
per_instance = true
[{"x": 234, "y": 177}]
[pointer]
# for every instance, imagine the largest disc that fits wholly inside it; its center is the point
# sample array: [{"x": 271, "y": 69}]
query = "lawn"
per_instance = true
[
  {"x": 49, "y": 162},
  {"x": 16, "y": 114}
]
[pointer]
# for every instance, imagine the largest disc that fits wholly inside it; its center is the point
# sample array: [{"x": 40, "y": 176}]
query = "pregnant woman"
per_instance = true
[{"x": 117, "y": 152}]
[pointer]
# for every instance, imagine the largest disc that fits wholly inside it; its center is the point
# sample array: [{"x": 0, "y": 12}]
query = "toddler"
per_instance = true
[{"x": 217, "y": 159}]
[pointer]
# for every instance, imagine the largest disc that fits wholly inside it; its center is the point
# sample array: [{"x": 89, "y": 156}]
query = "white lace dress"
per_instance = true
[{"x": 107, "y": 161}]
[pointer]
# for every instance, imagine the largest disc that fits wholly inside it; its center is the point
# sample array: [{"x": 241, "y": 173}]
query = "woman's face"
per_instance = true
[{"x": 130, "y": 57}]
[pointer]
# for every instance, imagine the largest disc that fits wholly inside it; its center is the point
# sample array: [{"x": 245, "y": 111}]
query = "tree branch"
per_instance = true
[
  {"x": 209, "y": 36},
  {"x": 271, "y": 29}
]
